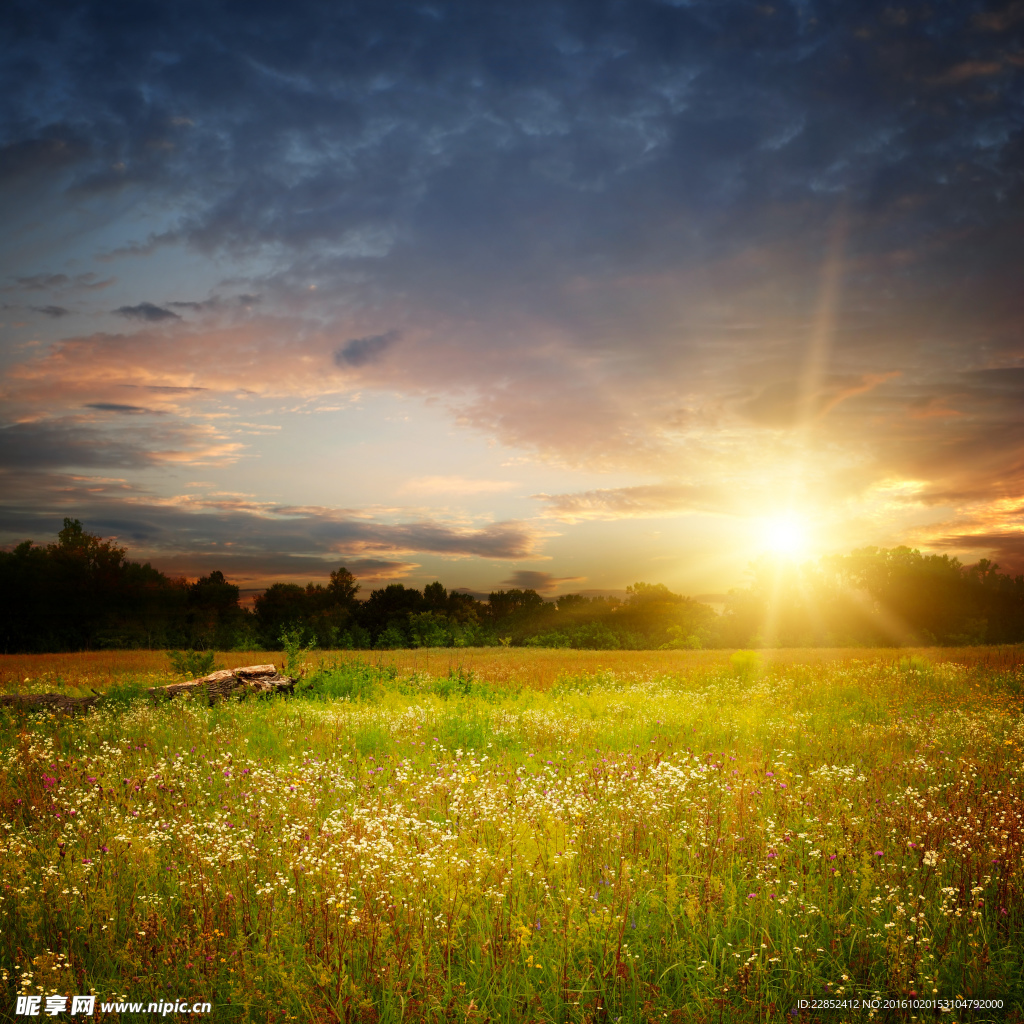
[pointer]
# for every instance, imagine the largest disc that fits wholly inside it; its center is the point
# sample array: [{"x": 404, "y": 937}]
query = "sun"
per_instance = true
[{"x": 785, "y": 535}]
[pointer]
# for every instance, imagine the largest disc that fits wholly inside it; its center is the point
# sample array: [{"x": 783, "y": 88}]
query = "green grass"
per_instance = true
[{"x": 706, "y": 846}]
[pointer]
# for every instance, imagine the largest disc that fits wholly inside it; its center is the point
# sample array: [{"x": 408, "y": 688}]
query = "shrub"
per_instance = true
[
  {"x": 191, "y": 663},
  {"x": 745, "y": 664}
]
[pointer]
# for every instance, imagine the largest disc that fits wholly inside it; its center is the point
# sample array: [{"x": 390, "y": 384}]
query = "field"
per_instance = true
[{"x": 510, "y": 835}]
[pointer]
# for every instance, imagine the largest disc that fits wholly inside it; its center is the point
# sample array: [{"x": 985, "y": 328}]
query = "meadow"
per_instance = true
[{"x": 514, "y": 835}]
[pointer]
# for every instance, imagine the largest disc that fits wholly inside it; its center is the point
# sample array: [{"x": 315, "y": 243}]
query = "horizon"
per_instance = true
[{"x": 560, "y": 297}]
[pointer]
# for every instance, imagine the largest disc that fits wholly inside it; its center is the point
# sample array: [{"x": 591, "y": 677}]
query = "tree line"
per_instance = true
[{"x": 82, "y": 592}]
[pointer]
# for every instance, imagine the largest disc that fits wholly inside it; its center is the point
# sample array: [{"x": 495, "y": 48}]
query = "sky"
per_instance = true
[{"x": 562, "y": 295}]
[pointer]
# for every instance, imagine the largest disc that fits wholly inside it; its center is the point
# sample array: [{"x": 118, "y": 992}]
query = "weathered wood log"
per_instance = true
[
  {"x": 236, "y": 682},
  {"x": 48, "y": 702}
]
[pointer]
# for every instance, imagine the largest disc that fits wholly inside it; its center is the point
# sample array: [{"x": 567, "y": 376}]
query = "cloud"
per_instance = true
[
  {"x": 509, "y": 540},
  {"x": 25, "y": 160},
  {"x": 65, "y": 443},
  {"x": 270, "y": 568},
  {"x": 57, "y": 282},
  {"x": 35, "y": 502},
  {"x": 542, "y": 582},
  {"x": 969, "y": 69},
  {"x": 43, "y": 282},
  {"x": 146, "y": 311},
  {"x": 54, "y": 311},
  {"x": 89, "y": 282},
  {"x": 1005, "y": 548},
  {"x": 1001, "y": 19},
  {"x": 116, "y": 407},
  {"x": 455, "y": 485},
  {"x": 72, "y": 441},
  {"x": 643, "y": 501},
  {"x": 784, "y": 403},
  {"x": 167, "y": 389},
  {"x": 218, "y": 302},
  {"x": 597, "y": 233},
  {"x": 361, "y": 351},
  {"x": 379, "y": 568}
]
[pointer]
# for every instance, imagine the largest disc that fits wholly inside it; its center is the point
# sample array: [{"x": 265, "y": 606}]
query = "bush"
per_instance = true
[
  {"x": 391, "y": 639},
  {"x": 458, "y": 683},
  {"x": 352, "y": 680},
  {"x": 191, "y": 663},
  {"x": 745, "y": 664},
  {"x": 294, "y": 652}
]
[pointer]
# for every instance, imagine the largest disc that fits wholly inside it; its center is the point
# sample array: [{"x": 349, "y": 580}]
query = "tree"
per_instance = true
[{"x": 343, "y": 587}]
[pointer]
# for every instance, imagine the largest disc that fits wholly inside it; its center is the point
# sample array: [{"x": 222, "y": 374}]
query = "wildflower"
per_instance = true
[{"x": 931, "y": 858}]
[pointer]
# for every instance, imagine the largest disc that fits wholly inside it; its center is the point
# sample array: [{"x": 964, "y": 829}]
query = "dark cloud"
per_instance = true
[
  {"x": 498, "y": 540},
  {"x": 43, "y": 282},
  {"x": 28, "y": 158},
  {"x": 603, "y": 229},
  {"x": 294, "y": 568},
  {"x": 55, "y": 282},
  {"x": 35, "y": 503},
  {"x": 116, "y": 407},
  {"x": 146, "y": 311},
  {"x": 167, "y": 389},
  {"x": 577, "y": 139},
  {"x": 111, "y": 443},
  {"x": 960, "y": 433},
  {"x": 1004, "y": 547},
  {"x": 54, "y": 311},
  {"x": 65, "y": 443},
  {"x": 89, "y": 282},
  {"x": 542, "y": 582},
  {"x": 361, "y": 351},
  {"x": 218, "y": 302}
]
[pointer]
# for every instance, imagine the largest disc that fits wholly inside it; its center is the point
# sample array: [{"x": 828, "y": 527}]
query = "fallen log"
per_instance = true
[
  {"x": 234, "y": 682},
  {"x": 48, "y": 702},
  {"x": 231, "y": 682}
]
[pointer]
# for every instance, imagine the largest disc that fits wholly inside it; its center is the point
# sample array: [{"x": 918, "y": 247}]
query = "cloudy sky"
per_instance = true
[{"x": 554, "y": 294}]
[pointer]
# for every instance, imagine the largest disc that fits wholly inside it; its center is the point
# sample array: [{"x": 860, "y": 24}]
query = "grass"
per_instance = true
[
  {"x": 536, "y": 668},
  {"x": 526, "y": 836}
]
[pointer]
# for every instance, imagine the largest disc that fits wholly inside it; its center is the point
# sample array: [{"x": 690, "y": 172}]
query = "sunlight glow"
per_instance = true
[{"x": 785, "y": 535}]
